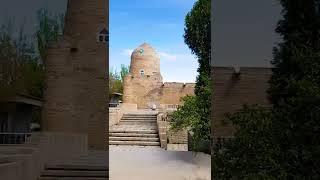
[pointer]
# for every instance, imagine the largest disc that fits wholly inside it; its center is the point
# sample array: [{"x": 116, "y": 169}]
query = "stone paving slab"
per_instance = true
[{"x": 137, "y": 163}]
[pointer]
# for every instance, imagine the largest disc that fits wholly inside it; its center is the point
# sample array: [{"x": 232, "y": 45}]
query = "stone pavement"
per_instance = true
[{"x": 154, "y": 163}]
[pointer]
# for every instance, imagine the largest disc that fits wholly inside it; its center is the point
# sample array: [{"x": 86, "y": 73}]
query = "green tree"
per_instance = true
[
  {"x": 283, "y": 143},
  {"x": 295, "y": 89},
  {"x": 116, "y": 80},
  {"x": 197, "y": 37},
  {"x": 50, "y": 28},
  {"x": 21, "y": 68},
  {"x": 251, "y": 153},
  {"x": 16, "y": 58},
  {"x": 187, "y": 114},
  {"x": 124, "y": 71}
]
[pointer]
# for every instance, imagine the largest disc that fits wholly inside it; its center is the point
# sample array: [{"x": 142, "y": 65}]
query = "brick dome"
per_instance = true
[{"x": 144, "y": 61}]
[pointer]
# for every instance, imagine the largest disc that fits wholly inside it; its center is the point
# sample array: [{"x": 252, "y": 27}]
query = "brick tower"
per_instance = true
[
  {"x": 76, "y": 93},
  {"x": 142, "y": 84}
]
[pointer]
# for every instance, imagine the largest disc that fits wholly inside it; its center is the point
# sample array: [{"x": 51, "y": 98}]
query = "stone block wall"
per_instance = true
[
  {"x": 231, "y": 91},
  {"x": 171, "y": 92},
  {"x": 115, "y": 115},
  {"x": 167, "y": 136},
  {"x": 145, "y": 91},
  {"x": 177, "y": 137},
  {"x": 162, "y": 130}
]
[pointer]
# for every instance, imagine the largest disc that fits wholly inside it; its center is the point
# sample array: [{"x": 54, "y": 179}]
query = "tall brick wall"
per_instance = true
[
  {"x": 145, "y": 91},
  {"x": 171, "y": 93},
  {"x": 75, "y": 97},
  {"x": 231, "y": 92}
]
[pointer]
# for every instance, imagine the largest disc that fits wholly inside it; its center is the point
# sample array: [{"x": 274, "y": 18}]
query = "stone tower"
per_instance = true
[
  {"x": 144, "y": 60},
  {"x": 76, "y": 93},
  {"x": 142, "y": 83}
]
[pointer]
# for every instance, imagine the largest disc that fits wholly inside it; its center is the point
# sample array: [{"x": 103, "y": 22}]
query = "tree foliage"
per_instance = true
[
  {"x": 116, "y": 80},
  {"x": 50, "y": 28},
  {"x": 295, "y": 89},
  {"x": 251, "y": 153},
  {"x": 21, "y": 55},
  {"x": 285, "y": 142},
  {"x": 20, "y": 72},
  {"x": 197, "y": 37}
]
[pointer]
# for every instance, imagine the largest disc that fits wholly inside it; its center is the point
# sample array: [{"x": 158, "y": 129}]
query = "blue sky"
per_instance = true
[
  {"x": 132, "y": 22},
  {"x": 159, "y": 23}
]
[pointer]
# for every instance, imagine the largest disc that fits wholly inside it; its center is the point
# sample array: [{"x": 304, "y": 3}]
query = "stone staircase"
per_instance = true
[
  {"x": 61, "y": 172},
  {"x": 92, "y": 166},
  {"x": 136, "y": 130}
]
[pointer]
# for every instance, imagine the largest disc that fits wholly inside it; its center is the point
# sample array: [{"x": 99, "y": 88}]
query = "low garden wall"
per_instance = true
[
  {"x": 115, "y": 114},
  {"x": 168, "y": 136},
  {"x": 26, "y": 161}
]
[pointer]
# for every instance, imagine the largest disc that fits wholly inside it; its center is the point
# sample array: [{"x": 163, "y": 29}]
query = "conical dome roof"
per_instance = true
[
  {"x": 144, "y": 49},
  {"x": 144, "y": 59}
]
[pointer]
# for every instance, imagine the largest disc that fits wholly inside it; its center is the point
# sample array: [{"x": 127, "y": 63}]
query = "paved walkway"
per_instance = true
[{"x": 154, "y": 163}]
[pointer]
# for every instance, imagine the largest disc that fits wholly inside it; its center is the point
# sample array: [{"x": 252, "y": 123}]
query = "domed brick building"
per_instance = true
[{"x": 144, "y": 86}]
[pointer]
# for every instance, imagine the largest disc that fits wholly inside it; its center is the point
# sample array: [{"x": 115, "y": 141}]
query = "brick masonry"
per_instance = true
[
  {"x": 231, "y": 92},
  {"x": 177, "y": 137},
  {"x": 76, "y": 93},
  {"x": 148, "y": 89}
]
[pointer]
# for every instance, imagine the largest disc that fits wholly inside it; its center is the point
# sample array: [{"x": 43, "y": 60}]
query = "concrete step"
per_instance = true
[
  {"x": 75, "y": 167},
  {"x": 134, "y": 143},
  {"x": 148, "y": 139},
  {"x": 132, "y": 135},
  {"x": 72, "y": 178},
  {"x": 153, "y": 119},
  {"x": 130, "y": 116},
  {"x": 145, "y": 119},
  {"x": 142, "y": 121},
  {"x": 74, "y": 173},
  {"x": 134, "y": 131},
  {"x": 139, "y": 118},
  {"x": 139, "y": 115}
]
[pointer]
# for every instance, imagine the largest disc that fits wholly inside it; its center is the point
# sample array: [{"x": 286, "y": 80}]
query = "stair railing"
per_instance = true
[{"x": 14, "y": 138}]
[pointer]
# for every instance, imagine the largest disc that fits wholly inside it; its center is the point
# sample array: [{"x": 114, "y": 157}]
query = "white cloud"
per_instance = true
[
  {"x": 173, "y": 57},
  {"x": 127, "y": 52},
  {"x": 167, "y": 56}
]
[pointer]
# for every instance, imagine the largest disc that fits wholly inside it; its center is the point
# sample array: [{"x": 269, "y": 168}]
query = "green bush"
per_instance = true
[
  {"x": 188, "y": 116},
  {"x": 251, "y": 154}
]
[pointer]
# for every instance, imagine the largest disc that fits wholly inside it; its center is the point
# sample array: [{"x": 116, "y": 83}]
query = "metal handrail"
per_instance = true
[{"x": 14, "y": 138}]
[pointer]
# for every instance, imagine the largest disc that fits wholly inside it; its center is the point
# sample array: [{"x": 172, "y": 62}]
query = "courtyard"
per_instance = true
[{"x": 133, "y": 162}]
